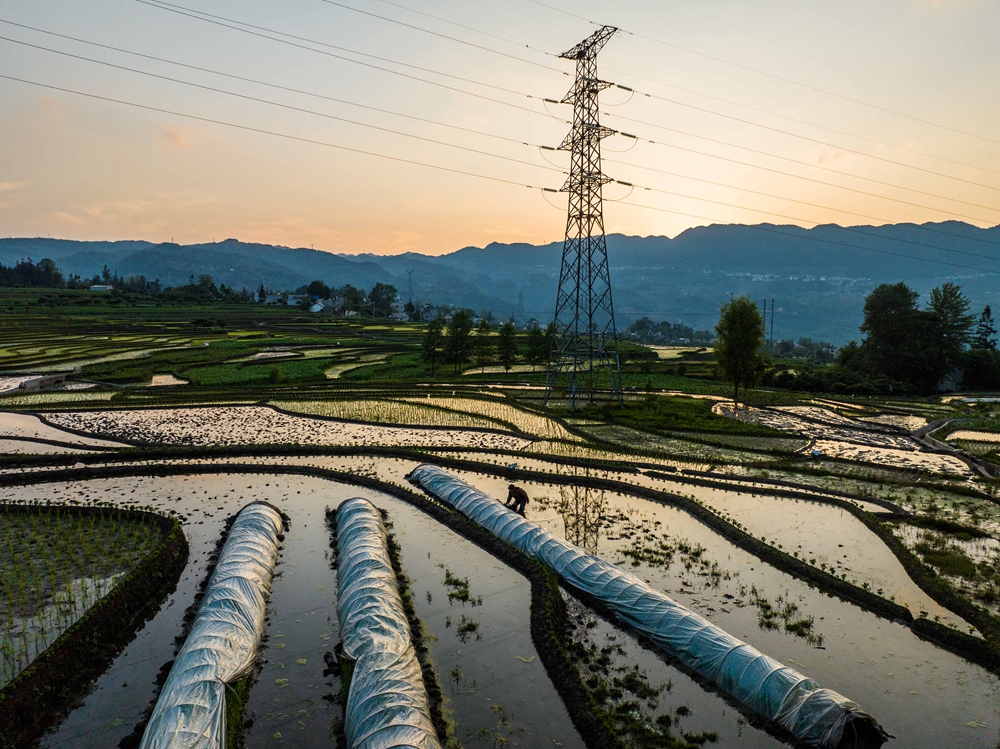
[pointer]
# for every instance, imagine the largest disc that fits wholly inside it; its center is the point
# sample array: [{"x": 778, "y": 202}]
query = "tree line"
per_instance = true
[
  {"x": 375, "y": 303},
  {"x": 46, "y": 275},
  {"x": 460, "y": 341},
  {"x": 907, "y": 348}
]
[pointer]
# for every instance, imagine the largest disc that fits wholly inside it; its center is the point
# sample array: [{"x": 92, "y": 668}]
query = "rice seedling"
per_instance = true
[
  {"x": 58, "y": 396},
  {"x": 499, "y": 411},
  {"x": 55, "y": 565},
  {"x": 387, "y": 412}
]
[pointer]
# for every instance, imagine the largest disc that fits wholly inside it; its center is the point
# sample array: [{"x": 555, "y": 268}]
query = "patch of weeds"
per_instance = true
[
  {"x": 947, "y": 558},
  {"x": 784, "y": 614},
  {"x": 503, "y": 732},
  {"x": 458, "y": 589},
  {"x": 466, "y": 629},
  {"x": 622, "y": 693}
]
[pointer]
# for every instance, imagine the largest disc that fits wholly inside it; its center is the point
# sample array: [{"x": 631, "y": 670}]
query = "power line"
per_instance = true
[
  {"x": 290, "y": 89},
  {"x": 813, "y": 239},
  {"x": 275, "y": 133},
  {"x": 777, "y": 77},
  {"x": 793, "y": 161},
  {"x": 469, "y": 28},
  {"x": 793, "y": 218},
  {"x": 814, "y": 205},
  {"x": 202, "y": 16},
  {"x": 800, "y": 121},
  {"x": 650, "y": 80},
  {"x": 444, "y": 36},
  {"x": 802, "y": 220},
  {"x": 208, "y": 18},
  {"x": 286, "y": 106},
  {"x": 451, "y": 170},
  {"x": 299, "y": 109},
  {"x": 815, "y": 140}
]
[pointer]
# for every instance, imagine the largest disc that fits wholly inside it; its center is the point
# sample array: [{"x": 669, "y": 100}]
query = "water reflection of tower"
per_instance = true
[{"x": 582, "y": 509}]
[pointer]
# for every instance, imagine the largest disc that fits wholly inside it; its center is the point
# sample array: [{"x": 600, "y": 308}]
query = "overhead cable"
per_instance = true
[
  {"x": 643, "y": 78},
  {"x": 788, "y": 159},
  {"x": 437, "y": 167},
  {"x": 815, "y": 140},
  {"x": 551, "y": 167},
  {"x": 258, "y": 82},
  {"x": 774, "y": 230},
  {"x": 777, "y": 77},
  {"x": 218, "y": 21},
  {"x": 275, "y": 133},
  {"x": 162, "y": 4},
  {"x": 287, "y": 106},
  {"x": 445, "y": 36}
]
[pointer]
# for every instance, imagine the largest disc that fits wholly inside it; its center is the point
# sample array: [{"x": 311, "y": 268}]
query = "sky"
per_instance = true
[{"x": 779, "y": 111}]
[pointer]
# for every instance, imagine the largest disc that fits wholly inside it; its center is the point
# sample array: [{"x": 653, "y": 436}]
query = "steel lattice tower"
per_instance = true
[{"x": 584, "y": 351}]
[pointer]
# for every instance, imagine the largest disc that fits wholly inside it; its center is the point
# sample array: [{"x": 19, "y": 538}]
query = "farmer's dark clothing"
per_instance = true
[{"x": 517, "y": 498}]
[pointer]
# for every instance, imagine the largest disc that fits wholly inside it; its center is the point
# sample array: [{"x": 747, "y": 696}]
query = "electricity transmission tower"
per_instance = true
[{"x": 584, "y": 352}]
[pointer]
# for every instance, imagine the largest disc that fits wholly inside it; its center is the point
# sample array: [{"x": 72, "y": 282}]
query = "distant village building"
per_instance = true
[
  {"x": 294, "y": 299},
  {"x": 102, "y": 287},
  {"x": 317, "y": 307},
  {"x": 272, "y": 299}
]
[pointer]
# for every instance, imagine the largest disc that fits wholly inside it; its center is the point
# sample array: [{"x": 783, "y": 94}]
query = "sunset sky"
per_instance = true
[{"x": 82, "y": 168}]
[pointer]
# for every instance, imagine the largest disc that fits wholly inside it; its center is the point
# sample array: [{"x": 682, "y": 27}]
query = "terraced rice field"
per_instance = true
[
  {"x": 256, "y": 425},
  {"x": 54, "y": 566}
]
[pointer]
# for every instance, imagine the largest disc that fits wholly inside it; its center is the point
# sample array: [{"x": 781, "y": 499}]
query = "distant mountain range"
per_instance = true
[{"x": 817, "y": 277}]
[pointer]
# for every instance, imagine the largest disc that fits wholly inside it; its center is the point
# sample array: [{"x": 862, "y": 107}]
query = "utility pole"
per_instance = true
[
  {"x": 584, "y": 350},
  {"x": 772, "y": 326}
]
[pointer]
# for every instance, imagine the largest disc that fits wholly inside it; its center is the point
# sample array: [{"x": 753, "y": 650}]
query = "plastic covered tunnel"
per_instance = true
[
  {"x": 224, "y": 639},
  {"x": 387, "y": 703},
  {"x": 814, "y": 715}
]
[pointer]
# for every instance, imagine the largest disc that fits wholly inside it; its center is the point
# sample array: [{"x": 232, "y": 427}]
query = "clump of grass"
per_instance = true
[
  {"x": 467, "y": 628},
  {"x": 502, "y": 733},
  {"x": 947, "y": 558},
  {"x": 784, "y": 613},
  {"x": 458, "y": 589}
]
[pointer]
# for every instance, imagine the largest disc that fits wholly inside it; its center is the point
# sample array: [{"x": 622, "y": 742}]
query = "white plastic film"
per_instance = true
[
  {"x": 387, "y": 703},
  {"x": 814, "y": 715},
  {"x": 224, "y": 639}
]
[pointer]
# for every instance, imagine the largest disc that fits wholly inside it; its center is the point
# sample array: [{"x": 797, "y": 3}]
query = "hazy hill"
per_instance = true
[{"x": 818, "y": 281}]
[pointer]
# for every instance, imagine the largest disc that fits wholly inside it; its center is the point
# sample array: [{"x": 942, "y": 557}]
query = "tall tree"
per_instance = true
[
  {"x": 353, "y": 297},
  {"x": 482, "y": 344},
  {"x": 538, "y": 347},
  {"x": 433, "y": 339},
  {"x": 890, "y": 324},
  {"x": 318, "y": 289},
  {"x": 985, "y": 337},
  {"x": 507, "y": 345},
  {"x": 381, "y": 297},
  {"x": 954, "y": 323},
  {"x": 459, "y": 334},
  {"x": 739, "y": 343},
  {"x": 262, "y": 294}
]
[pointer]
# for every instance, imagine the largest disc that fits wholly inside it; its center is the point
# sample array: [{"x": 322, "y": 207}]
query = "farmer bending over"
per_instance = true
[{"x": 517, "y": 498}]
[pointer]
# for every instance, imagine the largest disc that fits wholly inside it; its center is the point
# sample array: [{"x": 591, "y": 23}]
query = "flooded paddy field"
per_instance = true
[
  {"x": 836, "y": 435},
  {"x": 474, "y": 608},
  {"x": 891, "y": 672},
  {"x": 31, "y": 427},
  {"x": 31, "y": 447},
  {"x": 882, "y": 665},
  {"x": 257, "y": 425}
]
